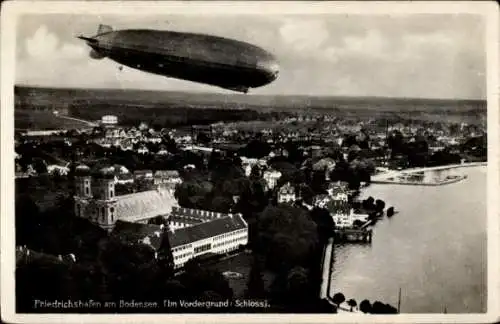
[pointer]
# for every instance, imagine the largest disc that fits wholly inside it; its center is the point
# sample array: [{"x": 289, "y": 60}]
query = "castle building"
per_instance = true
[
  {"x": 96, "y": 201},
  {"x": 191, "y": 233},
  {"x": 202, "y": 232}
]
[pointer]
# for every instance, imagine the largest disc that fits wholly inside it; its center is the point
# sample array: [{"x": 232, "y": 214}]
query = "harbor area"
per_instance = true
[
  {"x": 430, "y": 176},
  {"x": 357, "y": 235}
]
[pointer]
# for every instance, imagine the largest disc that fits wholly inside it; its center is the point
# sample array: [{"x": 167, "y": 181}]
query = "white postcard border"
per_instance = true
[{"x": 8, "y": 27}]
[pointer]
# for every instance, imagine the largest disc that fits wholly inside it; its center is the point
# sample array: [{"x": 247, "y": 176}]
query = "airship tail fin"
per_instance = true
[{"x": 103, "y": 29}]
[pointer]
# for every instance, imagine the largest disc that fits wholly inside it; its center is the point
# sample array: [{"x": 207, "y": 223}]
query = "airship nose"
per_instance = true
[
  {"x": 274, "y": 70},
  {"x": 270, "y": 68},
  {"x": 89, "y": 40}
]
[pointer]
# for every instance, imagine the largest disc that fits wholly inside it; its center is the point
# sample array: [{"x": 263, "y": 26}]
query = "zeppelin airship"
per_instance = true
[{"x": 201, "y": 58}]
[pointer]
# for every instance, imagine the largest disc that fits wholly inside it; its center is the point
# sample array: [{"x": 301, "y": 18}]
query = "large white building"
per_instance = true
[
  {"x": 109, "y": 120},
  {"x": 201, "y": 232},
  {"x": 196, "y": 232}
]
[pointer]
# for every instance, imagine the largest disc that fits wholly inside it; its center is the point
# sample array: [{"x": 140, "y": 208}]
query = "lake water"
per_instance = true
[{"x": 434, "y": 249}]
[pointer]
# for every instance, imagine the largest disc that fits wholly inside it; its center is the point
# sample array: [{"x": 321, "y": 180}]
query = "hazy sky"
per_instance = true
[{"x": 426, "y": 55}]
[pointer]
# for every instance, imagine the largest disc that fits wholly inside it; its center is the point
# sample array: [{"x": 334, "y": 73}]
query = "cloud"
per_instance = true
[
  {"x": 73, "y": 51},
  {"x": 42, "y": 44},
  {"x": 46, "y": 46},
  {"x": 318, "y": 55},
  {"x": 370, "y": 44},
  {"x": 304, "y": 36}
]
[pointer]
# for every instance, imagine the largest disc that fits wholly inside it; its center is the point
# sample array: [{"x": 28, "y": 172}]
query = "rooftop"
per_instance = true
[
  {"x": 186, "y": 235},
  {"x": 144, "y": 205},
  {"x": 166, "y": 174},
  {"x": 185, "y": 220},
  {"x": 203, "y": 215}
]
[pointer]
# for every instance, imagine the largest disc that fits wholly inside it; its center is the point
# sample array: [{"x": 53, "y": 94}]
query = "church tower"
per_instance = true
[
  {"x": 83, "y": 187},
  {"x": 104, "y": 211}
]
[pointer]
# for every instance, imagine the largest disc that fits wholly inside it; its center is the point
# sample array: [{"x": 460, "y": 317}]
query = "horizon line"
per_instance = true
[{"x": 252, "y": 94}]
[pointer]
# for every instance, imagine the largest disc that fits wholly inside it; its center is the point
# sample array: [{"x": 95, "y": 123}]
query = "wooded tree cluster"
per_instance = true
[{"x": 106, "y": 267}]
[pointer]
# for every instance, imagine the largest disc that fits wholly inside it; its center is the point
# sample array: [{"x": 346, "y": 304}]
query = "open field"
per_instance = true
[
  {"x": 43, "y": 120},
  {"x": 183, "y": 108},
  {"x": 239, "y": 101}
]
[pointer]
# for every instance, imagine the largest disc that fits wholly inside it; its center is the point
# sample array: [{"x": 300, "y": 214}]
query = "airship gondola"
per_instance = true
[{"x": 201, "y": 58}]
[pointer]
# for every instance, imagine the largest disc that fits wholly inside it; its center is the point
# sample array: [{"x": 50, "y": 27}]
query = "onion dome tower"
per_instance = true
[
  {"x": 83, "y": 185},
  {"x": 104, "y": 202}
]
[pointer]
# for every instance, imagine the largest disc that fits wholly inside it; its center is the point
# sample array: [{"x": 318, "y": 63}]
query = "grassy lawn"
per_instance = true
[{"x": 242, "y": 264}]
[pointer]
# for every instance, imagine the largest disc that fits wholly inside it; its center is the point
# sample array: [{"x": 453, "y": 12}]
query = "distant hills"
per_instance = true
[{"x": 65, "y": 97}]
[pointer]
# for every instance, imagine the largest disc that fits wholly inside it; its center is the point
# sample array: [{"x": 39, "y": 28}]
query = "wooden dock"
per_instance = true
[{"x": 363, "y": 235}]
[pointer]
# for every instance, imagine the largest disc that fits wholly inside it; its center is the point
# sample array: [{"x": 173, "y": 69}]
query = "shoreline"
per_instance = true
[
  {"x": 429, "y": 184},
  {"x": 390, "y": 195},
  {"x": 387, "y": 177}
]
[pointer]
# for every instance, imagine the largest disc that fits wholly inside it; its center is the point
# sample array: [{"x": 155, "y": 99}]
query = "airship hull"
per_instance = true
[{"x": 199, "y": 58}]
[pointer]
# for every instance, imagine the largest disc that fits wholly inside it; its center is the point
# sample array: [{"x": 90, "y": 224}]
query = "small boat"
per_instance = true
[{"x": 391, "y": 212}]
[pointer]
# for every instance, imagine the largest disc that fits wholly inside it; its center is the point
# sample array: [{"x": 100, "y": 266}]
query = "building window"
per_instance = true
[
  {"x": 202, "y": 248},
  {"x": 111, "y": 193},
  {"x": 87, "y": 191}
]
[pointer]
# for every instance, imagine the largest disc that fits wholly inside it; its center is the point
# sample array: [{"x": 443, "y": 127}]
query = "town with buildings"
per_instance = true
[
  {"x": 297, "y": 162},
  {"x": 202, "y": 195}
]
